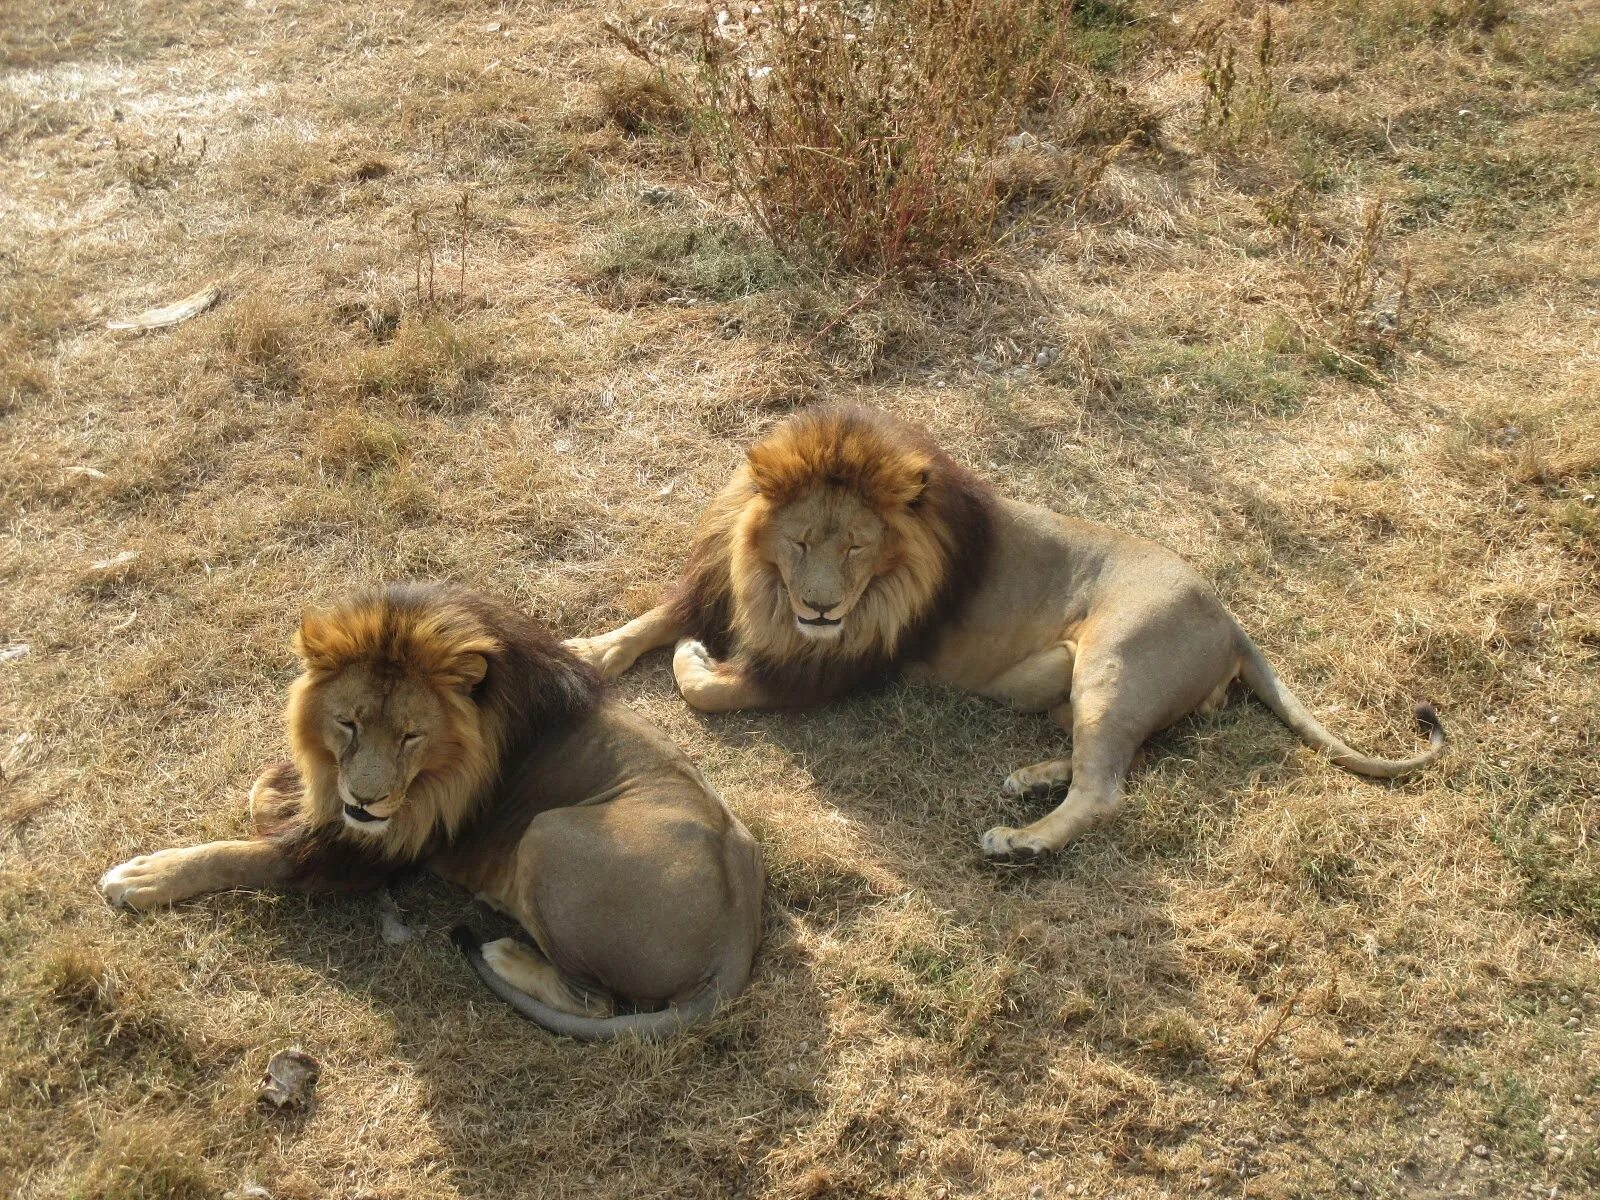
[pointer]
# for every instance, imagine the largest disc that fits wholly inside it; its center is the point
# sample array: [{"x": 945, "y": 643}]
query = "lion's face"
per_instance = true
[
  {"x": 828, "y": 547},
  {"x": 381, "y": 733},
  {"x": 384, "y": 707}
]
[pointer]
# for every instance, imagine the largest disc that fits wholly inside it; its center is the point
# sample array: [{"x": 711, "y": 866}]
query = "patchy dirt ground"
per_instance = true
[{"x": 1265, "y": 978}]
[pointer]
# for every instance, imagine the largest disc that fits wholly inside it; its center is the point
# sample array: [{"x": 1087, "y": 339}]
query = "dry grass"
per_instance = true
[{"x": 1266, "y": 978}]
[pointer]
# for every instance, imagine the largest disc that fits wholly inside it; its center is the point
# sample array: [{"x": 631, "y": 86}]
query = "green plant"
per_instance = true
[{"x": 1238, "y": 103}]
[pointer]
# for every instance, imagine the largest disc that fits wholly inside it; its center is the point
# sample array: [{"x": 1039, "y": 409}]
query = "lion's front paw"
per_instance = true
[
  {"x": 605, "y": 654},
  {"x": 143, "y": 883},
  {"x": 692, "y": 664},
  {"x": 1004, "y": 844}
]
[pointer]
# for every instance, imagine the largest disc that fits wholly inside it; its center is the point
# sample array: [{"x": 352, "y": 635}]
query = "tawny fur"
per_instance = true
[
  {"x": 484, "y": 751},
  {"x": 847, "y": 549}
]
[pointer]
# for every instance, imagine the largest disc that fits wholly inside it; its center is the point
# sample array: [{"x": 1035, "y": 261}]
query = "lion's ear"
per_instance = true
[
  {"x": 469, "y": 670},
  {"x": 765, "y": 468},
  {"x": 905, "y": 484},
  {"x": 313, "y": 641},
  {"x": 922, "y": 486}
]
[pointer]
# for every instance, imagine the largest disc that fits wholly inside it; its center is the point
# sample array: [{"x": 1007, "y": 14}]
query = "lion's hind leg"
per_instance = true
[
  {"x": 530, "y": 972},
  {"x": 1126, "y": 687},
  {"x": 1040, "y": 780}
]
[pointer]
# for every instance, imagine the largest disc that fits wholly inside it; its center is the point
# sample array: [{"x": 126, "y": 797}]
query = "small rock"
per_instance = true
[
  {"x": 116, "y": 560},
  {"x": 655, "y": 195},
  {"x": 86, "y": 472},
  {"x": 1036, "y": 1192},
  {"x": 1048, "y": 357},
  {"x": 1588, "y": 498},
  {"x": 492, "y": 27},
  {"x": 391, "y": 927},
  {"x": 1247, "y": 1142},
  {"x": 1480, "y": 1151},
  {"x": 1356, "y": 1186},
  {"x": 15, "y": 651}
]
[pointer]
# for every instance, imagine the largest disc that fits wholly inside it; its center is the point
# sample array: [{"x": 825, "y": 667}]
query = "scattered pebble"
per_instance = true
[
  {"x": 655, "y": 195},
  {"x": 393, "y": 929},
  {"x": 1480, "y": 1151},
  {"x": 15, "y": 651},
  {"x": 116, "y": 560}
]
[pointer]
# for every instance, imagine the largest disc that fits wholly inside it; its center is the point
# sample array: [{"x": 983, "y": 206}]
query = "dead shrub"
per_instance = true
[
  {"x": 1357, "y": 293},
  {"x": 864, "y": 137},
  {"x": 641, "y": 100},
  {"x": 430, "y": 361}
]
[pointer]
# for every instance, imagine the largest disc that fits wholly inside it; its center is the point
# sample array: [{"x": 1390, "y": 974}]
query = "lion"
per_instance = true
[
  {"x": 849, "y": 549},
  {"x": 434, "y": 727}
]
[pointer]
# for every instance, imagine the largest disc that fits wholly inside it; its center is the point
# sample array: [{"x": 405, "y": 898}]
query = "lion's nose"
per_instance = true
[
  {"x": 364, "y": 801},
  {"x": 820, "y": 609}
]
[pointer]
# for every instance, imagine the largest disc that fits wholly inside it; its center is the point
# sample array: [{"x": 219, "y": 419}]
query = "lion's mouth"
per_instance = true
[
  {"x": 360, "y": 816},
  {"x": 819, "y": 629}
]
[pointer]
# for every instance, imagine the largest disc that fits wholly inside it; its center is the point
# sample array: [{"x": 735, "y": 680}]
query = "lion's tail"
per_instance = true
[
  {"x": 1261, "y": 679},
  {"x": 648, "y": 1027}
]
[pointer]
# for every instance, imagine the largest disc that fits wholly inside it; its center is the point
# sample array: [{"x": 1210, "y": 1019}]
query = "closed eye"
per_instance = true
[
  {"x": 411, "y": 739},
  {"x": 347, "y": 725},
  {"x": 854, "y": 550}
]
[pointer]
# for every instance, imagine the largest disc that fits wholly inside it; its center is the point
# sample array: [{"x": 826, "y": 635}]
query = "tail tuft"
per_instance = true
[
  {"x": 466, "y": 939},
  {"x": 1428, "y": 718}
]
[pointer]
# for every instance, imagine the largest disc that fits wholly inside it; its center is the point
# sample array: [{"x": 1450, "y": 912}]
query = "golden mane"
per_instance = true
[
  {"x": 440, "y": 638},
  {"x": 938, "y": 516}
]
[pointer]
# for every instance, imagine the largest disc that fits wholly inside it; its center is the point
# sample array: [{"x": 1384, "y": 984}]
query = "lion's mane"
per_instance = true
[
  {"x": 939, "y": 517},
  {"x": 532, "y": 691}
]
